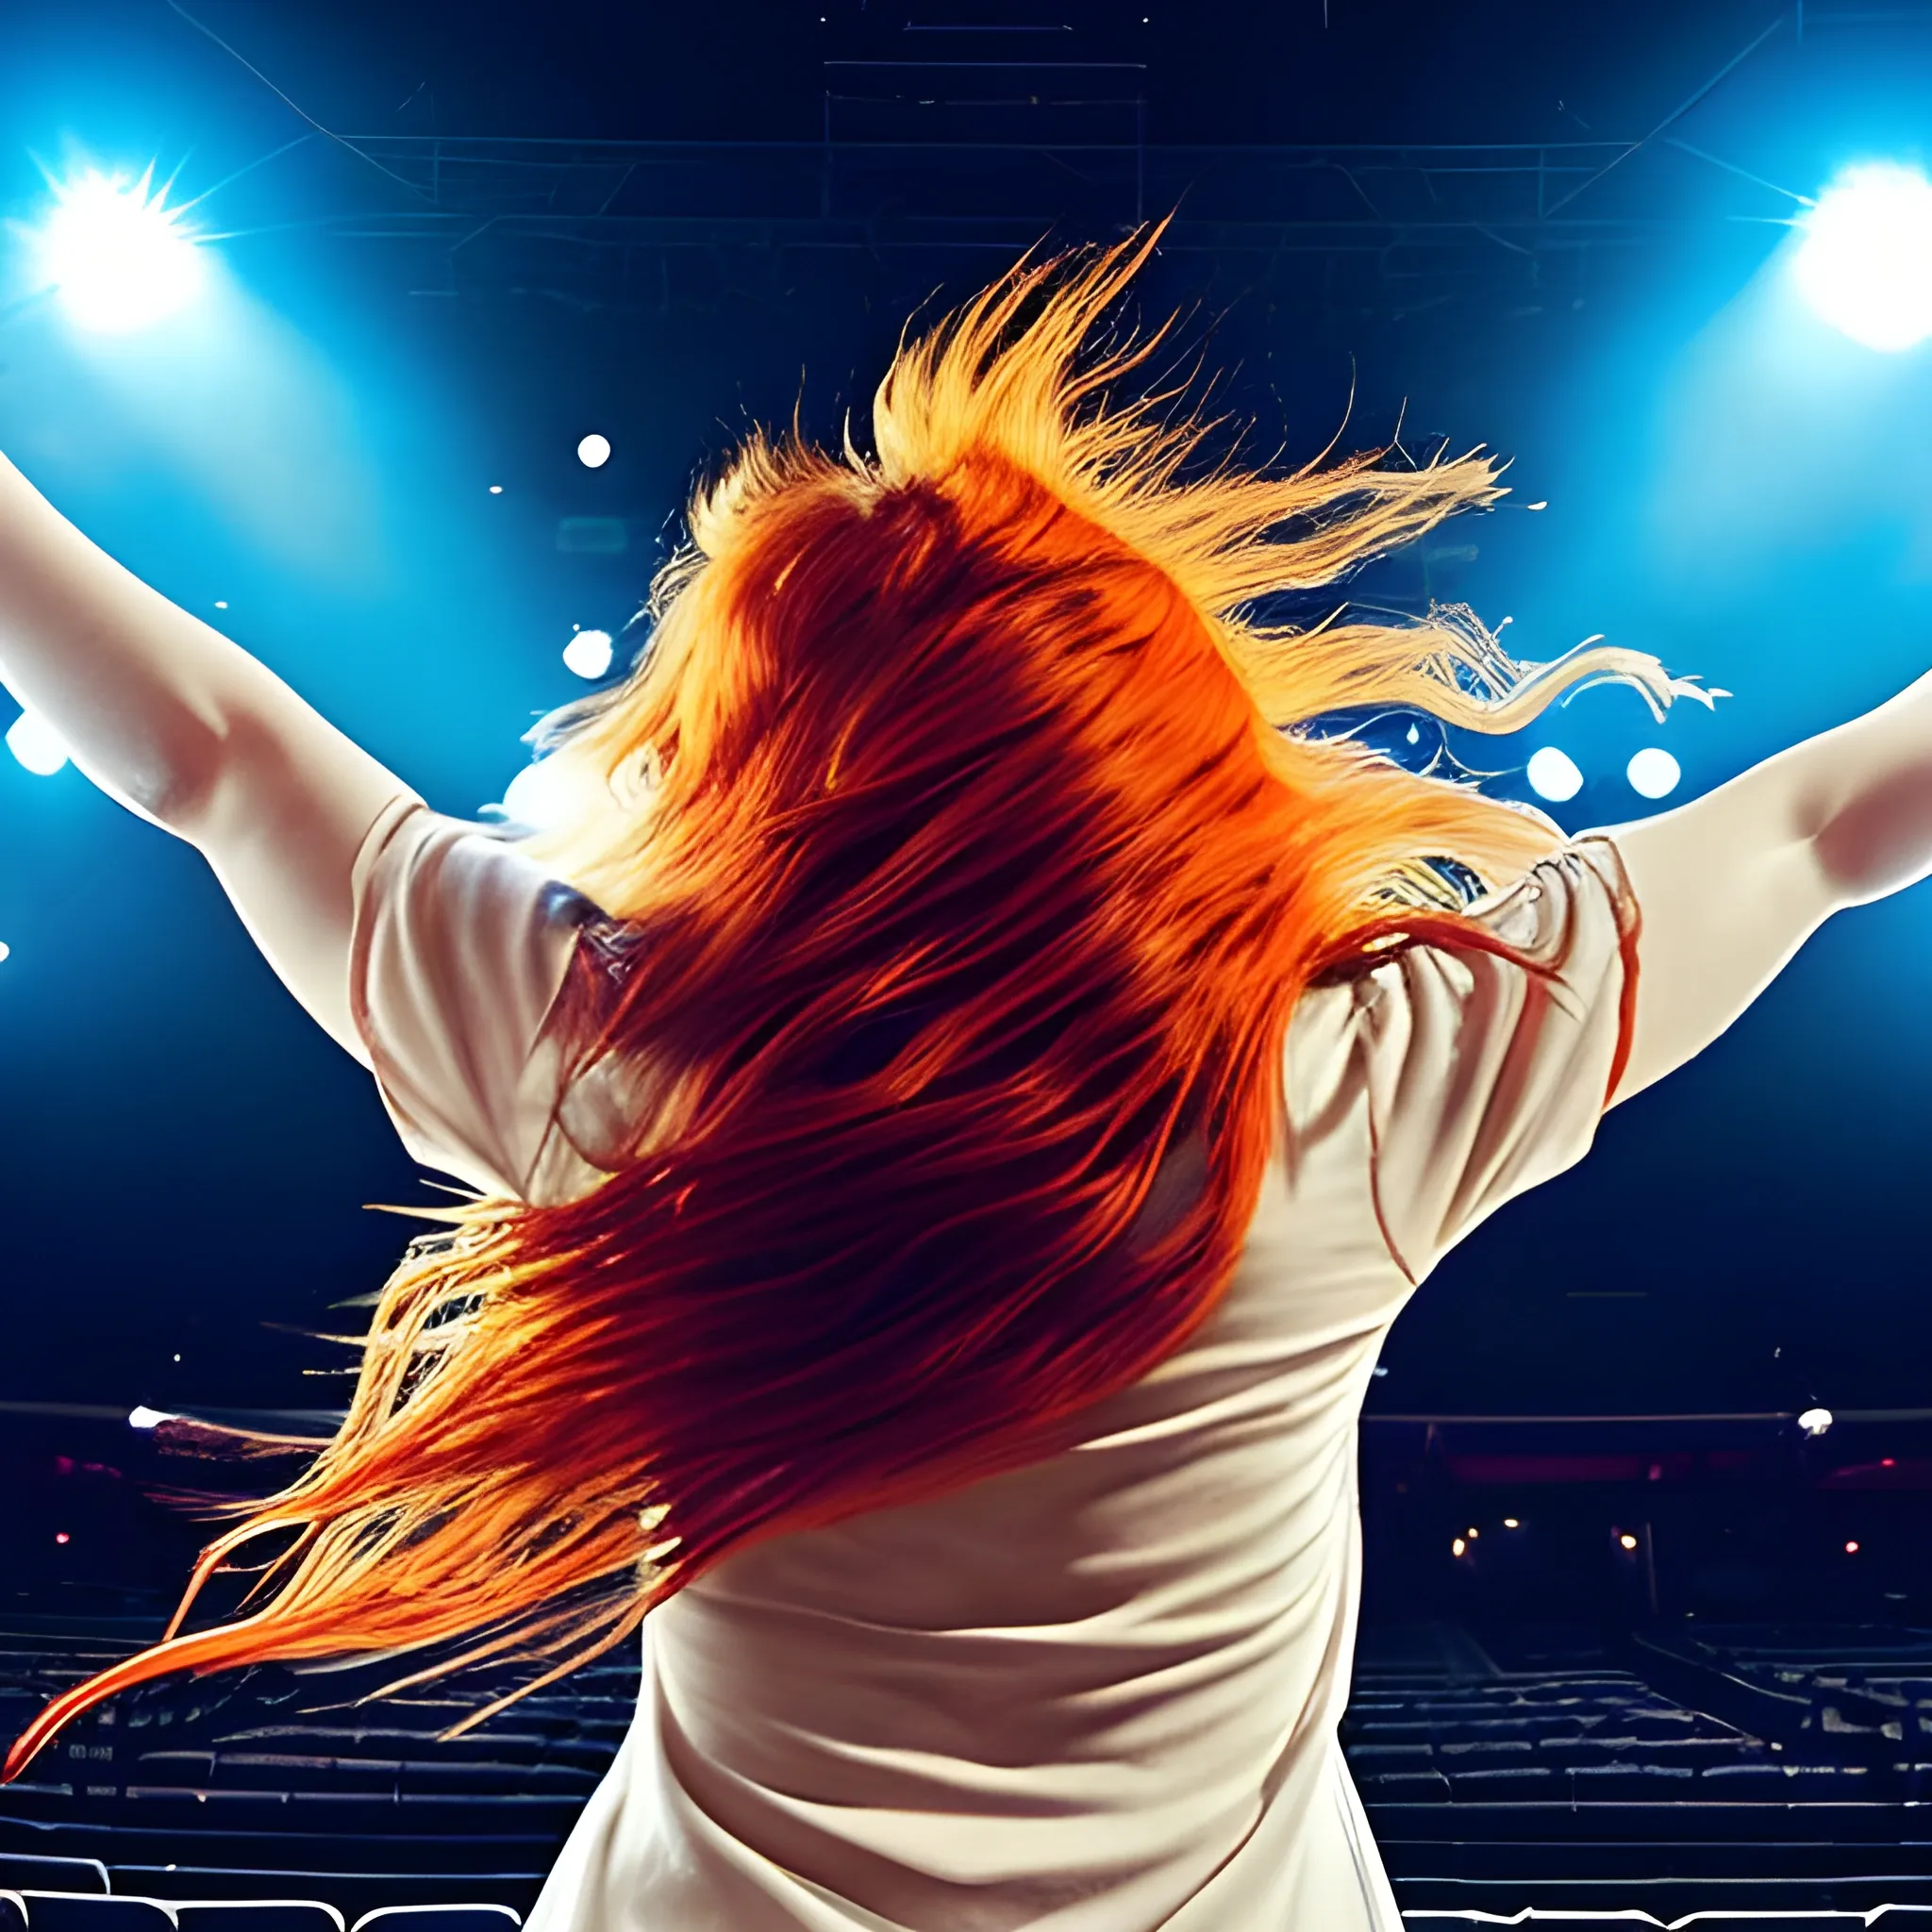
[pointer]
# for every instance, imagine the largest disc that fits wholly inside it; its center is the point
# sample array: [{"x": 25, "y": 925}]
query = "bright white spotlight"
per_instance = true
[
  {"x": 589, "y": 652},
  {"x": 117, "y": 255},
  {"x": 1552, "y": 775},
  {"x": 1653, "y": 772},
  {"x": 36, "y": 744},
  {"x": 594, "y": 451},
  {"x": 1866, "y": 260},
  {"x": 142, "y": 1417},
  {"x": 1814, "y": 1422}
]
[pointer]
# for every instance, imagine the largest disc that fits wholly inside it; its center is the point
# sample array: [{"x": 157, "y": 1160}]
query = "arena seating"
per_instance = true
[
  {"x": 1707, "y": 1780},
  {"x": 1693, "y": 1776},
  {"x": 288, "y": 1793}
]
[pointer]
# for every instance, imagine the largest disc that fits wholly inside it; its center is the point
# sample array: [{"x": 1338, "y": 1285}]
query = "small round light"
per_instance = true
[
  {"x": 36, "y": 744},
  {"x": 142, "y": 1417},
  {"x": 497, "y": 489},
  {"x": 1851, "y": 1549},
  {"x": 221, "y": 603},
  {"x": 1552, "y": 775},
  {"x": 60, "y": 1536},
  {"x": 589, "y": 652},
  {"x": 593, "y": 452},
  {"x": 1457, "y": 1547},
  {"x": 1653, "y": 772},
  {"x": 1513, "y": 1523},
  {"x": 1814, "y": 1422},
  {"x": 1627, "y": 1542}
]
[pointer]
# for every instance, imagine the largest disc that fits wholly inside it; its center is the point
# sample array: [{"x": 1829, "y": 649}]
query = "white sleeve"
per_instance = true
[
  {"x": 460, "y": 950},
  {"x": 1486, "y": 1076}
]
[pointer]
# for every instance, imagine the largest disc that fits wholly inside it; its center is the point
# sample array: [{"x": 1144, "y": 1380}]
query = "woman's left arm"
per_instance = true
[
  {"x": 1729, "y": 886},
  {"x": 184, "y": 727}
]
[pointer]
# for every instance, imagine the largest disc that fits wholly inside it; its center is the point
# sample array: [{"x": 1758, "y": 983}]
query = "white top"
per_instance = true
[{"x": 1099, "y": 1693}]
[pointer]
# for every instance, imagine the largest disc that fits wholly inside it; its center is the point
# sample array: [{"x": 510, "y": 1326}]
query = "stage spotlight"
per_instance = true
[
  {"x": 594, "y": 451},
  {"x": 1627, "y": 1542},
  {"x": 1552, "y": 775},
  {"x": 1653, "y": 772},
  {"x": 1457, "y": 1547},
  {"x": 36, "y": 744},
  {"x": 1865, "y": 264},
  {"x": 6, "y": 951},
  {"x": 116, "y": 253},
  {"x": 142, "y": 1417},
  {"x": 1851, "y": 1549},
  {"x": 1814, "y": 1422},
  {"x": 589, "y": 652}
]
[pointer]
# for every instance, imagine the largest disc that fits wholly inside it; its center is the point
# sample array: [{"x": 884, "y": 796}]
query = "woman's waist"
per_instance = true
[{"x": 1090, "y": 1714}]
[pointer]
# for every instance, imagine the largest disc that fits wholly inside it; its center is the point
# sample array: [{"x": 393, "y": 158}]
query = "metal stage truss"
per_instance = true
[{"x": 1391, "y": 227}]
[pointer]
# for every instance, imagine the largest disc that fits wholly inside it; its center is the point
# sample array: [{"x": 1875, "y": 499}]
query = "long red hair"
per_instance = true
[{"x": 964, "y": 848}]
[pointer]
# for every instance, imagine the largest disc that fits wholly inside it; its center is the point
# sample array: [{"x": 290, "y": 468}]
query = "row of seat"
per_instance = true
[
  {"x": 1726, "y": 1783},
  {"x": 1567, "y": 1737},
  {"x": 100, "y": 1912},
  {"x": 1888, "y": 1918}
]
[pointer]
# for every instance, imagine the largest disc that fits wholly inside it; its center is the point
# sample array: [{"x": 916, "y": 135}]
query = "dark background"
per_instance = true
[{"x": 184, "y": 1160}]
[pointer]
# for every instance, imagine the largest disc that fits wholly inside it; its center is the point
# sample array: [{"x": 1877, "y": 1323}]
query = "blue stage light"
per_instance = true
[
  {"x": 1552, "y": 775},
  {"x": 117, "y": 255},
  {"x": 1865, "y": 264},
  {"x": 36, "y": 744}
]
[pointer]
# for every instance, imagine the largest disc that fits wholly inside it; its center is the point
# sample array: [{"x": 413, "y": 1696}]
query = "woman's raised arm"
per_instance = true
[
  {"x": 1731, "y": 885},
  {"x": 184, "y": 727}
]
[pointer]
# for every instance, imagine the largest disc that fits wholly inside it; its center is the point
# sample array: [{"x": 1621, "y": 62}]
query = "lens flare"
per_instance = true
[
  {"x": 1552, "y": 775},
  {"x": 589, "y": 652},
  {"x": 1653, "y": 772},
  {"x": 36, "y": 744}
]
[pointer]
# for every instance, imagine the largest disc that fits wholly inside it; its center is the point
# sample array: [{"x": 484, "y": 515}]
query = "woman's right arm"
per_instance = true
[
  {"x": 1729, "y": 886},
  {"x": 184, "y": 727}
]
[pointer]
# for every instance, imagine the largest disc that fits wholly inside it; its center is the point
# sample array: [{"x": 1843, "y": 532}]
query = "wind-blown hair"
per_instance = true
[{"x": 965, "y": 846}]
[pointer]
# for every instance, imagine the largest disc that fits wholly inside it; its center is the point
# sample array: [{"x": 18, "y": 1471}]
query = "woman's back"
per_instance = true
[{"x": 1098, "y": 1693}]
